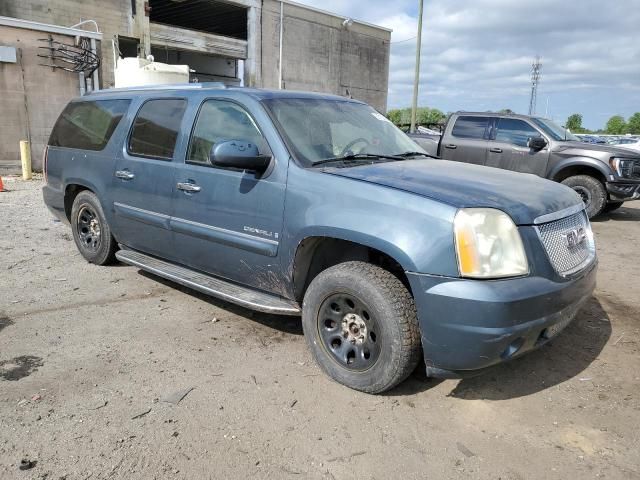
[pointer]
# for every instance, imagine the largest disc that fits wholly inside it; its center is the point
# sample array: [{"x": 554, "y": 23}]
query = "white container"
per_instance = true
[{"x": 136, "y": 72}]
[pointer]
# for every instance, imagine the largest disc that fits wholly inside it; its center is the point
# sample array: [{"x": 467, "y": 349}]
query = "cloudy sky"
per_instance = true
[{"x": 477, "y": 54}]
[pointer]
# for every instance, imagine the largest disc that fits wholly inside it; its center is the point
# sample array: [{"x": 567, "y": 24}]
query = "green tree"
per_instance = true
[
  {"x": 633, "y": 125},
  {"x": 424, "y": 116},
  {"x": 395, "y": 116},
  {"x": 429, "y": 116},
  {"x": 574, "y": 123},
  {"x": 616, "y": 125},
  {"x": 506, "y": 110}
]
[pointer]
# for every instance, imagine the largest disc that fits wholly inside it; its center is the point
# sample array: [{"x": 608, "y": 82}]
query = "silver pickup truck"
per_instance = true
[{"x": 603, "y": 175}]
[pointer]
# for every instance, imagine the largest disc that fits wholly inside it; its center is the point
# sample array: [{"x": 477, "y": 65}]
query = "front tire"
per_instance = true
[
  {"x": 592, "y": 191},
  {"x": 91, "y": 231},
  {"x": 361, "y": 325}
]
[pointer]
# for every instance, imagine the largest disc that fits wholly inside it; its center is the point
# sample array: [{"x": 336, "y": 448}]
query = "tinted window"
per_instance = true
[
  {"x": 155, "y": 129},
  {"x": 88, "y": 125},
  {"x": 220, "y": 121},
  {"x": 517, "y": 132},
  {"x": 470, "y": 127}
]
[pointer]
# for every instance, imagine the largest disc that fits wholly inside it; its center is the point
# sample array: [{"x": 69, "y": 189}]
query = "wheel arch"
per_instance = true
[
  {"x": 315, "y": 253},
  {"x": 71, "y": 191},
  {"x": 579, "y": 166}
]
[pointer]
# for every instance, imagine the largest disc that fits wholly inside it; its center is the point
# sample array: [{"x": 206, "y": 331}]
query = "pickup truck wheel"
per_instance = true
[
  {"x": 361, "y": 325},
  {"x": 591, "y": 190},
  {"x": 611, "y": 206},
  {"x": 91, "y": 231}
]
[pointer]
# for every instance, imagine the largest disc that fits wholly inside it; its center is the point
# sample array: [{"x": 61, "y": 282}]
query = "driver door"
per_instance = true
[
  {"x": 228, "y": 222},
  {"x": 508, "y": 148}
]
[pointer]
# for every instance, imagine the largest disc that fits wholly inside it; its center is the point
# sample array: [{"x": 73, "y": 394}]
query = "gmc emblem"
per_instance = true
[{"x": 573, "y": 238}]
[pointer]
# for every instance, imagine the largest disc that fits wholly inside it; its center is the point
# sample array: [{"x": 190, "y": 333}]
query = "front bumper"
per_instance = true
[
  {"x": 469, "y": 325},
  {"x": 623, "y": 191}
]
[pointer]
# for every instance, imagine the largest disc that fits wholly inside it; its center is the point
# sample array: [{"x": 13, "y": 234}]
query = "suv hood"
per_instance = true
[{"x": 523, "y": 196}]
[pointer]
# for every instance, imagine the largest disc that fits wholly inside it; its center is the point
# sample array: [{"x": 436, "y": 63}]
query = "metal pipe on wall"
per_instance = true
[
  {"x": 281, "y": 37},
  {"x": 96, "y": 75}
]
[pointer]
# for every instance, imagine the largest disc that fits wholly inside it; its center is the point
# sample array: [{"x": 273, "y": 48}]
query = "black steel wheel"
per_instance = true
[
  {"x": 91, "y": 231},
  {"x": 349, "y": 332},
  {"x": 361, "y": 325},
  {"x": 88, "y": 225}
]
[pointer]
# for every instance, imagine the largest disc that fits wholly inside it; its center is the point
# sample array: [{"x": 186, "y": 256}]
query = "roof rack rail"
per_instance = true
[{"x": 170, "y": 86}]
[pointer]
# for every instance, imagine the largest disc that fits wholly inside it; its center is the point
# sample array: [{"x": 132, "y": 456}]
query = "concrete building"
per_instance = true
[{"x": 262, "y": 43}]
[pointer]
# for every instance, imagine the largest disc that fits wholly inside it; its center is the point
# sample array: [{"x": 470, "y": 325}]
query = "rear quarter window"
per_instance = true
[
  {"x": 470, "y": 127},
  {"x": 155, "y": 130},
  {"x": 88, "y": 125}
]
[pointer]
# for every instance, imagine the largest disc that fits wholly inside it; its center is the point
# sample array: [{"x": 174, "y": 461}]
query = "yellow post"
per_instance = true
[{"x": 25, "y": 157}]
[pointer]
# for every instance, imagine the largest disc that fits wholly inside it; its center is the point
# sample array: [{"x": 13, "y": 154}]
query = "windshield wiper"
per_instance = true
[
  {"x": 413, "y": 154},
  {"x": 358, "y": 156}
]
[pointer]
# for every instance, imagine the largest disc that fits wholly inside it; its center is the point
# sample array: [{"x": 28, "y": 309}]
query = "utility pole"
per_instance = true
[
  {"x": 535, "y": 79},
  {"x": 416, "y": 80}
]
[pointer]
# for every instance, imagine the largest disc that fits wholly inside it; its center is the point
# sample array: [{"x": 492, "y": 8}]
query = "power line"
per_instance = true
[
  {"x": 405, "y": 40},
  {"x": 535, "y": 80}
]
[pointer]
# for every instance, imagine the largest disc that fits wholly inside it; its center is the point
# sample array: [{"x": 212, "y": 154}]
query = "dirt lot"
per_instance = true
[{"x": 89, "y": 355}]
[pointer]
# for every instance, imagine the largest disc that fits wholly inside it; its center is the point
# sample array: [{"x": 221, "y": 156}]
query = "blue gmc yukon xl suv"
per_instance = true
[{"x": 316, "y": 205}]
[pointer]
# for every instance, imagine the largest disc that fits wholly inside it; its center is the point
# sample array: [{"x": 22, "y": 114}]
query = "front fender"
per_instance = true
[
  {"x": 580, "y": 162},
  {"x": 415, "y": 231}
]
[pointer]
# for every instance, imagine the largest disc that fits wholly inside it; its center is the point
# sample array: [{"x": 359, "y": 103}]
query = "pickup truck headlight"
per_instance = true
[
  {"x": 488, "y": 244},
  {"x": 622, "y": 166}
]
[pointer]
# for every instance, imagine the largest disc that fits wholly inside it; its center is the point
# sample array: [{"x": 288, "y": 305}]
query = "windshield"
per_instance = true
[
  {"x": 319, "y": 129},
  {"x": 554, "y": 131}
]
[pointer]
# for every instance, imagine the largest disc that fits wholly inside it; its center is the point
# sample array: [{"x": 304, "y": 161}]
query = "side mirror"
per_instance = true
[
  {"x": 536, "y": 143},
  {"x": 239, "y": 154}
]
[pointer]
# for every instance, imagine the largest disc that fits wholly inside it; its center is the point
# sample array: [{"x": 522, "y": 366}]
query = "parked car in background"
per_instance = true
[
  {"x": 316, "y": 205},
  {"x": 605, "y": 176},
  {"x": 631, "y": 143},
  {"x": 591, "y": 139}
]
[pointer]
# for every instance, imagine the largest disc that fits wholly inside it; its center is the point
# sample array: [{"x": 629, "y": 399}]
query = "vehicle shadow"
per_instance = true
[
  {"x": 624, "y": 214},
  {"x": 283, "y": 323},
  {"x": 555, "y": 362},
  {"x": 561, "y": 359}
]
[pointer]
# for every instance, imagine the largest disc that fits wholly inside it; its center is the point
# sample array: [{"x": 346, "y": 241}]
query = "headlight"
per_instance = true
[
  {"x": 488, "y": 244},
  {"x": 622, "y": 166}
]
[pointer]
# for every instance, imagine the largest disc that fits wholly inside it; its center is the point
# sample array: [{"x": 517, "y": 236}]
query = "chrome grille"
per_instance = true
[{"x": 567, "y": 248}]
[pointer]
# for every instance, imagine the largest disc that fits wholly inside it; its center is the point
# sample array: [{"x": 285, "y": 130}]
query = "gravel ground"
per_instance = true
[{"x": 94, "y": 359}]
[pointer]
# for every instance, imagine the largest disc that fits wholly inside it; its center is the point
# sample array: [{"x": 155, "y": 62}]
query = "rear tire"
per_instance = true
[
  {"x": 611, "y": 206},
  {"x": 592, "y": 191},
  {"x": 361, "y": 325},
  {"x": 91, "y": 231}
]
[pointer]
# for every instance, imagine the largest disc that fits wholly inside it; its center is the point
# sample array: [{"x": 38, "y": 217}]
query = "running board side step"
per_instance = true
[{"x": 216, "y": 287}]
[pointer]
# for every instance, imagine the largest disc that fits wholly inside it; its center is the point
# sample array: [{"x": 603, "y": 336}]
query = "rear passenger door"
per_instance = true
[
  {"x": 228, "y": 222},
  {"x": 467, "y": 141},
  {"x": 143, "y": 179},
  {"x": 508, "y": 147}
]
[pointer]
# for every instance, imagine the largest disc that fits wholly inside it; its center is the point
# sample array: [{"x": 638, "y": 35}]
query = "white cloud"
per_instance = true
[{"x": 477, "y": 54}]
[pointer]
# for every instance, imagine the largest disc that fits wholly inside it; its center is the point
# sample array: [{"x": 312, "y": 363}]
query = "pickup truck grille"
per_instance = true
[{"x": 568, "y": 242}]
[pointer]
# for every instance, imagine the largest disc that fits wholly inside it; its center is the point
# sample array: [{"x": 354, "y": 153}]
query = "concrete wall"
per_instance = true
[
  {"x": 31, "y": 97},
  {"x": 320, "y": 54}
]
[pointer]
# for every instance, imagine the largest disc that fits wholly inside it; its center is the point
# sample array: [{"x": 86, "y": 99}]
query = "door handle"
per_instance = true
[
  {"x": 495, "y": 150},
  {"x": 451, "y": 146},
  {"x": 125, "y": 174},
  {"x": 188, "y": 187}
]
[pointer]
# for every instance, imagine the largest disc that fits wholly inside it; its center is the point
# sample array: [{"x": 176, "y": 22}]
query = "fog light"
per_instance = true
[{"x": 512, "y": 349}]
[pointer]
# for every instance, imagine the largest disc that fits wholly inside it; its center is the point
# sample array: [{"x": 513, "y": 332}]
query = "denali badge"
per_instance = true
[{"x": 575, "y": 237}]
